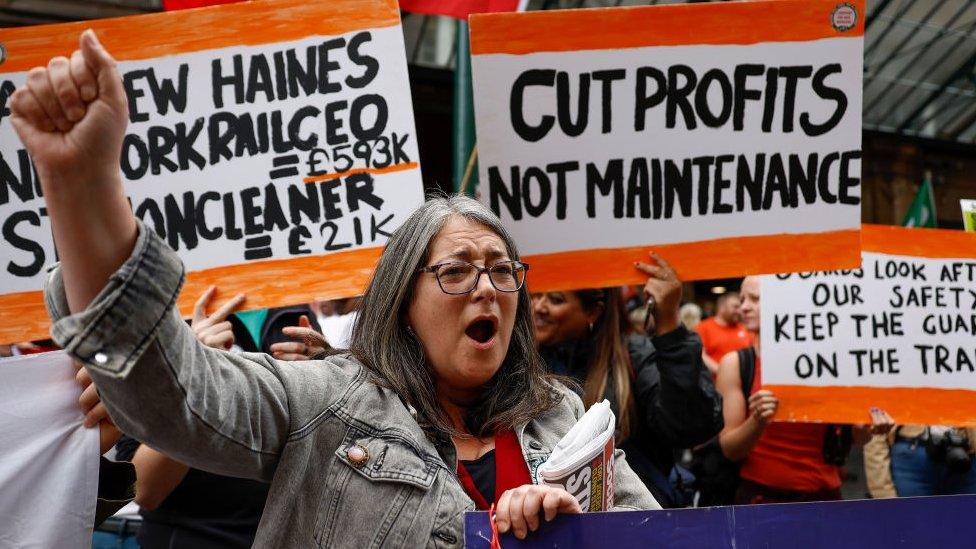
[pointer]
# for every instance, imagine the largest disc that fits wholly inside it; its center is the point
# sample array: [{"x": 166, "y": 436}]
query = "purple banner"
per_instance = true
[{"x": 943, "y": 521}]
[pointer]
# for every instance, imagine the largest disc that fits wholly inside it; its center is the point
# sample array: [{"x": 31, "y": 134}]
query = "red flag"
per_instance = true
[
  {"x": 172, "y": 5},
  {"x": 459, "y": 9}
]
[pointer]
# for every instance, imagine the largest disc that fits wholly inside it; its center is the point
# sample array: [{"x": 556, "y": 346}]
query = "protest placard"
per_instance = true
[
  {"x": 271, "y": 144},
  {"x": 48, "y": 459},
  {"x": 899, "y": 333},
  {"x": 725, "y": 136},
  {"x": 968, "y": 214}
]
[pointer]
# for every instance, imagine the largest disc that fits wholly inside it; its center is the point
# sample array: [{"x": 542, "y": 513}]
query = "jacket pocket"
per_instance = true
[
  {"x": 387, "y": 459},
  {"x": 375, "y": 487}
]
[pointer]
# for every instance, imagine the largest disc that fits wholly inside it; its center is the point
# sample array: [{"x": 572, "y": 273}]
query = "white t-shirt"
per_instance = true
[
  {"x": 337, "y": 329},
  {"x": 48, "y": 459}
]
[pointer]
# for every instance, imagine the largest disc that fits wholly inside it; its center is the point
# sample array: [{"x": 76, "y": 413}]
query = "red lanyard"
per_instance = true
[{"x": 510, "y": 470}]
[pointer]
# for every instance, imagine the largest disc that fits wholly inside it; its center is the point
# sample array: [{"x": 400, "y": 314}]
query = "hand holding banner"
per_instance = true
[{"x": 582, "y": 461}]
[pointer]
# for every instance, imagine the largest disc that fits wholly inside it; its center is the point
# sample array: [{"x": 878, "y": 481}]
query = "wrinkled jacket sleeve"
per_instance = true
[
  {"x": 207, "y": 408},
  {"x": 674, "y": 391}
]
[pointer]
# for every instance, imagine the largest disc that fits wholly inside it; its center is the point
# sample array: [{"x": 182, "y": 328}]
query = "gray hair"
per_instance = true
[
  {"x": 690, "y": 315},
  {"x": 519, "y": 391}
]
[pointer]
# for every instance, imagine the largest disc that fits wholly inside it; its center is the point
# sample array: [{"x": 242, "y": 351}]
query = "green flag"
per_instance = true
[{"x": 922, "y": 211}]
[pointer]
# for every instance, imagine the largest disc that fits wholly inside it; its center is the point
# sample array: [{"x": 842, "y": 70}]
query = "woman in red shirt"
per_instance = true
[{"x": 780, "y": 462}]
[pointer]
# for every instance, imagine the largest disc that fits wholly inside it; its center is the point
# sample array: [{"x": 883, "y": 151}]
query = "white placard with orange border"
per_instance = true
[
  {"x": 726, "y": 136},
  {"x": 271, "y": 144},
  {"x": 899, "y": 333}
]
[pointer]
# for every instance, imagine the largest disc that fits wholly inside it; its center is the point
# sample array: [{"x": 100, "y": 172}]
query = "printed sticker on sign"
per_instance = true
[{"x": 844, "y": 17}]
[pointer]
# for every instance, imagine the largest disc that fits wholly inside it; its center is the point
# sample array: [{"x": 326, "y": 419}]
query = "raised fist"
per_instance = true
[{"x": 72, "y": 115}]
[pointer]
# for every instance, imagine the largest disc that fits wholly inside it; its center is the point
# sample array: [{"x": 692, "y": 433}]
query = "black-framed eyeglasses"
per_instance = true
[{"x": 461, "y": 277}]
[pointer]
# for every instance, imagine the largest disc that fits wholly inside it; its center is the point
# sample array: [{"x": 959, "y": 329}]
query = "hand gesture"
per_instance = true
[
  {"x": 518, "y": 510},
  {"x": 215, "y": 330},
  {"x": 881, "y": 422},
  {"x": 95, "y": 412},
  {"x": 72, "y": 114},
  {"x": 663, "y": 293},
  {"x": 312, "y": 343},
  {"x": 762, "y": 406}
]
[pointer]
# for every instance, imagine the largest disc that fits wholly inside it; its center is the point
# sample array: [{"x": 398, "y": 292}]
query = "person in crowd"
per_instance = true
[
  {"x": 274, "y": 338},
  {"x": 780, "y": 462},
  {"x": 723, "y": 332},
  {"x": 918, "y": 460},
  {"x": 637, "y": 317},
  {"x": 277, "y": 331},
  {"x": 336, "y": 317},
  {"x": 442, "y": 368},
  {"x": 186, "y": 507},
  {"x": 115, "y": 478},
  {"x": 690, "y": 315},
  {"x": 301, "y": 342},
  {"x": 658, "y": 388}
]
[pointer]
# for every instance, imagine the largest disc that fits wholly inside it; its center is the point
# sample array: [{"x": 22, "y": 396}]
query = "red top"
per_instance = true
[
  {"x": 510, "y": 470},
  {"x": 718, "y": 340},
  {"x": 789, "y": 456}
]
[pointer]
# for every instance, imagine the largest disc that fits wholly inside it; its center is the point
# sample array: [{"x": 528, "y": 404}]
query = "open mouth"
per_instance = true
[{"x": 481, "y": 330}]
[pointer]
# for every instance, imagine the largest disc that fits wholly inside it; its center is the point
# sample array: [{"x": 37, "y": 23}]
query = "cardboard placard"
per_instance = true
[
  {"x": 271, "y": 144},
  {"x": 968, "y": 214},
  {"x": 725, "y": 136},
  {"x": 899, "y": 333}
]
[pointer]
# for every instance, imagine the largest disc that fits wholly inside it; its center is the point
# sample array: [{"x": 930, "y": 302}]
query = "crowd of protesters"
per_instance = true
[
  {"x": 282, "y": 426},
  {"x": 666, "y": 399},
  {"x": 658, "y": 378}
]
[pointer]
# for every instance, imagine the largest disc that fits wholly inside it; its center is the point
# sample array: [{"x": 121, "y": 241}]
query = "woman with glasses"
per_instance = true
[
  {"x": 441, "y": 405},
  {"x": 658, "y": 387}
]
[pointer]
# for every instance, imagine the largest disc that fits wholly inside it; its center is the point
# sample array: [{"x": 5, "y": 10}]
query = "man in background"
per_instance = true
[{"x": 723, "y": 333}]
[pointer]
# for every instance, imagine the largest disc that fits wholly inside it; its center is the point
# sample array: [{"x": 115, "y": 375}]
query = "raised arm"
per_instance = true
[
  {"x": 156, "y": 474},
  {"x": 112, "y": 300},
  {"x": 674, "y": 391},
  {"x": 72, "y": 116}
]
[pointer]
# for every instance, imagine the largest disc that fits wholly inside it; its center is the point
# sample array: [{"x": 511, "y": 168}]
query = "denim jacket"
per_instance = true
[{"x": 287, "y": 423}]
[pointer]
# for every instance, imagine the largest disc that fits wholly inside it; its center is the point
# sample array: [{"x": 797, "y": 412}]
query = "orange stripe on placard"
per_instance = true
[
  {"x": 23, "y": 317},
  {"x": 388, "y": 169},
  {"x": 934, "y": 243},
  {"x": 161, "y": 34},
  {"x": 720, "y": 258},
  {"x": 841, "y": 404},
  {"x": 266, "y": 283},
  {"x": 672, "y": 25}
]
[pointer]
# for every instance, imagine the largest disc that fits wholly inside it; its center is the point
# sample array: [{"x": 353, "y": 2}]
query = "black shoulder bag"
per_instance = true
[{"x": 717, "y": 477}]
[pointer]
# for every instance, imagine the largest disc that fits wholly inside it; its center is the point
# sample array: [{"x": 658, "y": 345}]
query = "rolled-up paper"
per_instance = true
[{"x": 582, "y": 461}]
